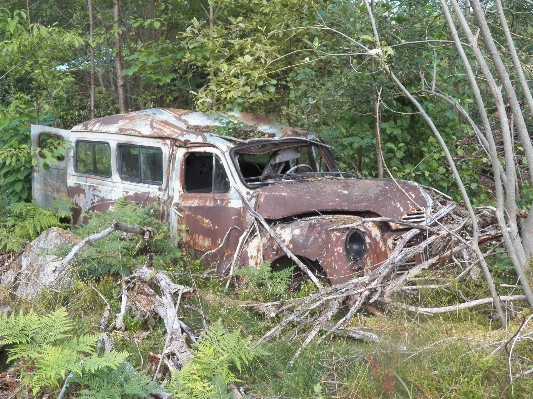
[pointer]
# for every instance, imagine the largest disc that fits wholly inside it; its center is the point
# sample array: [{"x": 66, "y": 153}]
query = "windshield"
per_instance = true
[{"x": 274, "y": 161}]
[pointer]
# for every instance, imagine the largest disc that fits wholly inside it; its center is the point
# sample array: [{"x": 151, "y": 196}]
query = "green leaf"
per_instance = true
[{"x": 367, "y": 38}]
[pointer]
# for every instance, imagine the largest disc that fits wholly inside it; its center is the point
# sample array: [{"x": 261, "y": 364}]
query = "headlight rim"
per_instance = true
[{"x": 361, "y": 242}]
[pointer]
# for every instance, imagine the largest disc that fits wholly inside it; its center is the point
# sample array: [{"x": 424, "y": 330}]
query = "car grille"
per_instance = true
[{"x": 415, "y": 217}]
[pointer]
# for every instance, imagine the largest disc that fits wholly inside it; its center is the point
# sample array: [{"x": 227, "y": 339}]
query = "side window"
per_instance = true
[
  {"x": 142, "y": 164},
  {"x": 93, "y": 157},
  {"x": 204, "y": 173}
]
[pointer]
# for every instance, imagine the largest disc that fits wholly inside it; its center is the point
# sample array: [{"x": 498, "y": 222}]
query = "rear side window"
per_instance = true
[
  {"x": 204, "y": 173},
  {"x": 141, "y": 164},
  {"x": 93, "y": 157}
]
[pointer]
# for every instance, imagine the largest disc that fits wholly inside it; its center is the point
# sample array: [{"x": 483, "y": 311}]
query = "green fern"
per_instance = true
[
  {"x": 30, "y": 328},
  {"x": 51, "y": 354},
  {"x": 23, "y": 222},
  {"x": 265, "y": 284},
  {"x": 123, "y": 382},
  {"x": 208, "y": 374},
  {"x": 119, "y": 253}
]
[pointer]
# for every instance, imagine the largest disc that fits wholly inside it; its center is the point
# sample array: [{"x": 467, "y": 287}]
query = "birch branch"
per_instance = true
[{"x": 464, "y": 305}]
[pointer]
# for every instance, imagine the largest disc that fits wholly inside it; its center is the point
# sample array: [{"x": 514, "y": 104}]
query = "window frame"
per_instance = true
[
  {"x": 94, "y": 142},
  {"x": 134, "y": 180},
  {"x": 215, "y": 159}
]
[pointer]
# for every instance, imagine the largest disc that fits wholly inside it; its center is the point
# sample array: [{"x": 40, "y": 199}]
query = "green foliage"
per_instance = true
[
  {"x": 24, "y": 221},
  {"x": 122, "y": 382},
  {"x": 424, "y": 162},
  {"x": 50, "y": 352},
  {"x": 207, "y": 375},
  {"x": 119, "y": 253},
  {"x": 229, "y": 127},
  {"x": 263, "y": 283},
  {"x": 16, "y": 156}
]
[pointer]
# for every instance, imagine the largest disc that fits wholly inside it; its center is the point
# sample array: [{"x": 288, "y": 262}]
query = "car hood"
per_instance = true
[{"x": 385, "y": 197}]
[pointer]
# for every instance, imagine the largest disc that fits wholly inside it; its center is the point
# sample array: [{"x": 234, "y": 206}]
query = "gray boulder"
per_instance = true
[{"x": 38, "y": 266}]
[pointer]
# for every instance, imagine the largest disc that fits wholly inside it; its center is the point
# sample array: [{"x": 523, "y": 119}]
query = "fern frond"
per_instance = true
[
  {"x": 124, "y": 382},
  {"x": 32, "y": 220},
  {"x": 105, "y": 392},
  {"x": 206, "y": 376},
  {"x": 56, "y": 362},
  {"x": 240, "y": 351},
  {"x": 9, "y": 242},
  {"x": 53, "y": 326},
  {"x": 28, "y": 351},
  {"x": 83, "y": 344},
  {"x": 18, "y": 328},
  {"x": 50, "y": 356},
  {"x": 53, "y": 364},
  {"x": 219, "y": 389},
  {"x": 109, "y": 360},
  {"x": 23, "y": 222}
]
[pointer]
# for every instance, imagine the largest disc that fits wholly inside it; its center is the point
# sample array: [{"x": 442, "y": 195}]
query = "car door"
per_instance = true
[
  {"x": 209, "y": 207},
  {"x": 51, "y": 184}
]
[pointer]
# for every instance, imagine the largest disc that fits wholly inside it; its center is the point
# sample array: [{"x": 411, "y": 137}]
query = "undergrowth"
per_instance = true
[
  {"x": 208, "y": 374},
  {"x": 264, "y": 284},
  {"x": 447, "y": 356},
  {"x": 120, "y": 253},
  {"x": 52, "y": 356},
  {"x": 22, "y": 222}
]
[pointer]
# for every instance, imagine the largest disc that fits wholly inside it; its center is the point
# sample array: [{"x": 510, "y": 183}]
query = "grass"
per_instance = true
[
  {"x": 419, "y": 356},
  {"x": 446, "y": 356}
]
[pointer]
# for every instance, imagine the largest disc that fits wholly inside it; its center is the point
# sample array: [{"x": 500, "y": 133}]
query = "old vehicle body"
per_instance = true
[{"x": 204, "y": 170}]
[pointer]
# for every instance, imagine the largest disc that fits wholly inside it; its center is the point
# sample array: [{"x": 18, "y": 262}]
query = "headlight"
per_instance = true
[{"x": 355, "y": 245}]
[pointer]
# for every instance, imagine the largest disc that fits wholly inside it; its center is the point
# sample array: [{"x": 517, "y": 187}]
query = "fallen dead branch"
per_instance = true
[
  {"x": 153, "y": 293},
  {"x": 459, "y": 306},
  {"x": 278, "y": 240},
  {"x": 147, "y": 301},
  {"x": 448, "y": 237},
  {"x": 348, "y": 332},
  {"x": 115, "y": 226}
]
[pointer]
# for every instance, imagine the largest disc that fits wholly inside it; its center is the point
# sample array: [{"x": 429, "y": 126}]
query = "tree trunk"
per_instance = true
[
  {"x": 91, "y": 44},
  {"x": 379, "y": 154},
  {"x": 506, "y": 200},
  {"x": 118, "y": 59}
]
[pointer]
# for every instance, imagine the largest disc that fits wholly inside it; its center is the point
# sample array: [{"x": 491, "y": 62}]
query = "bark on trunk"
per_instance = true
[{"x": 118, "y": 59}]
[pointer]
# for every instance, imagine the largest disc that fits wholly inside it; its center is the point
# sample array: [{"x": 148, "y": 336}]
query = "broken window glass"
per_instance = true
[
  {"x": 270, "y": 162},
  {"x": 204, "y": 173}
]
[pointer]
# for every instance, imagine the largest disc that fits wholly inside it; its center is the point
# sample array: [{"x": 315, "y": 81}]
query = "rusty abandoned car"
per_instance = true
[{"x": 211, "y": 172}]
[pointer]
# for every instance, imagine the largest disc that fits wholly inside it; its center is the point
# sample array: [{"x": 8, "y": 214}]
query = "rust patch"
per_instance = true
[
  {"x": 382, "y": 197},
  {"x": 287, "y": 174},
  {"x": 314, "y": 239}
]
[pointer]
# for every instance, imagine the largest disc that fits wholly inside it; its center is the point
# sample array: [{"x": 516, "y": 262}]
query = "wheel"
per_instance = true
[{"x": 298, "y": 275}]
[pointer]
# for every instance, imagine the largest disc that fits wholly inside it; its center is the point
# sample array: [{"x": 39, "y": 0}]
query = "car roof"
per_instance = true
[{"x": 192, "y": 126}]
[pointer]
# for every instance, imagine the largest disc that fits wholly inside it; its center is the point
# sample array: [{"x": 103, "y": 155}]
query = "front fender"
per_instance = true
[{"x": 322, "y": 239}]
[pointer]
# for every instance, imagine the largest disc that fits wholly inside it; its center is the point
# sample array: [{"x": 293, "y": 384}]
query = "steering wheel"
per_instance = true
[{"x": 297, "y": 166}]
